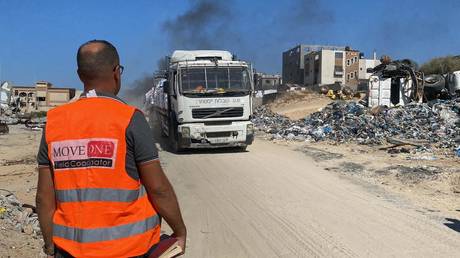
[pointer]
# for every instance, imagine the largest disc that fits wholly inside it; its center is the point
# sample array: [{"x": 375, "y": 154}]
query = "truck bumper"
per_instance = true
[{"x": 201, "y": 135}]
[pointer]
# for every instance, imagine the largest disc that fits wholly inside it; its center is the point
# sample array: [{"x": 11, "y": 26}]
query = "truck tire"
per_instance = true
[
  {"x": 176, "y": 148},
  {"x": 173, "y": 135},
  {"x": 242, "y": 148}
]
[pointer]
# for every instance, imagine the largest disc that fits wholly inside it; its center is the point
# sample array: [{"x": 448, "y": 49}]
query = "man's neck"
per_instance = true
[{"x": 87, "y": 88}]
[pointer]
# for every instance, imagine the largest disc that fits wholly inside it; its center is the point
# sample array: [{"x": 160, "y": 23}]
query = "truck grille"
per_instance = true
[{"x": 203, "y": 113}]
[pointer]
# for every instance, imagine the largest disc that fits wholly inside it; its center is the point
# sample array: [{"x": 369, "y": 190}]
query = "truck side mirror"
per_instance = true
[{"x": 166, "y": 87}]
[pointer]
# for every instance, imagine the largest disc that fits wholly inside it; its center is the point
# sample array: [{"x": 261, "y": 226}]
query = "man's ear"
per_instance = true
[{"x": 116, "y": 75}]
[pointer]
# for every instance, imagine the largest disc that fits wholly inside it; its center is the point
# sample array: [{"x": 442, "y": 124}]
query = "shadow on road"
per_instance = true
[
  {"x": 165, "y": 145},
  {"x": 453, "y": 224}
]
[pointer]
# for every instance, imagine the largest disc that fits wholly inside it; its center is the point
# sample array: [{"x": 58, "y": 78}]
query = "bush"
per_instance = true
[{"x": 441, "y": 65}]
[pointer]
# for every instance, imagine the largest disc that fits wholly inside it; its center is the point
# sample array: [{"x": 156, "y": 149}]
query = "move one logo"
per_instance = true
[{"x": 100, "y": 149}]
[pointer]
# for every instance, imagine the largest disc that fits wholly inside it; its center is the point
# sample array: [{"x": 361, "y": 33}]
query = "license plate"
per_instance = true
[{"x": 219, "y": 140}]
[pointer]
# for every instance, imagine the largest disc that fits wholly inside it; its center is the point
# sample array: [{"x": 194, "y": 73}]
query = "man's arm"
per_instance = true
[
  {"x": 46, "y": 204},
  {"x": 162, "y": 196}
]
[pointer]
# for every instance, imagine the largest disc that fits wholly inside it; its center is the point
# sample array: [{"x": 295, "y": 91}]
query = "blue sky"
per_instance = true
[{"x": 39, "y": 39}]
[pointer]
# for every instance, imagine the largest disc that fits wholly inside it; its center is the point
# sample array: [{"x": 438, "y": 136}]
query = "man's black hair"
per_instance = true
[{"x": 94, "y": 65}]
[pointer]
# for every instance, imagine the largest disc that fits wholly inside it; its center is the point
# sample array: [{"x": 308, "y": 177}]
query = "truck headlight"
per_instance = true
[
  {"x": 185, "y": 132},
  {"x": 250, "y": 129}
]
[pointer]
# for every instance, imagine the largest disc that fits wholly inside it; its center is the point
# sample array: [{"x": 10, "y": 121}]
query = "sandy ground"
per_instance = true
[
  {"x": 278, "y": 200},
  {"x": 298, "y": 105},
  {"x": 18, "y": 174}
]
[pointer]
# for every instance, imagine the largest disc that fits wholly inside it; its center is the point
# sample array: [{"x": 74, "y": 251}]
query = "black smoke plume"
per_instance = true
[{"x": 204, "y": 26}]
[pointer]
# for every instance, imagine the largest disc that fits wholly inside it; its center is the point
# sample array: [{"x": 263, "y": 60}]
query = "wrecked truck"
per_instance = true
[
  {"x": 205, "y": 101},
  {"x": 396, "y": 83},
  {"x": 399, "y": 83}
]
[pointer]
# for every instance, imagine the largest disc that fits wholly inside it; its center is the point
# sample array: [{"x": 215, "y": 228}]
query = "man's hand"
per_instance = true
[
  {"x": 163, "y": 198},
  {"x": 181, "y": 240}
]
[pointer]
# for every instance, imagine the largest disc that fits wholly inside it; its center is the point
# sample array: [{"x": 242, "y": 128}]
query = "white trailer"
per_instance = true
[{"x": 389, "y": 92}]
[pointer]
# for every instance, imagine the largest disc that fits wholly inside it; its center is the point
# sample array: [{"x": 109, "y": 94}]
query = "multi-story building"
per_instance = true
[
  {"x": 41, "y": 97},
  {"x": 324, "y": 67},
  {"x": 352, "y": 58},
  {"x": 293, "y": 62}
]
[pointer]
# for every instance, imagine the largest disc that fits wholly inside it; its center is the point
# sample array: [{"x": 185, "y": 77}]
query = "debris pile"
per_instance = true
[
  {"x": 436, "y": 122},
  {"x": 21, "y": 217}
]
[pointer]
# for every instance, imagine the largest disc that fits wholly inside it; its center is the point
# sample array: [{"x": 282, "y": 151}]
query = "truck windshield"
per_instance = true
[{"x": 215, "y": 79}]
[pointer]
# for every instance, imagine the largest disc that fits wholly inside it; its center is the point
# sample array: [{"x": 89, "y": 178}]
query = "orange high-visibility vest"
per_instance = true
[{"x": 101, "y": 211}]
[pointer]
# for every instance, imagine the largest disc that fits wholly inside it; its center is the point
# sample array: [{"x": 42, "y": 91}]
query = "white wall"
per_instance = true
[
  {"x": 364, "y": 64},
  {"x": 327, "y": 67}
]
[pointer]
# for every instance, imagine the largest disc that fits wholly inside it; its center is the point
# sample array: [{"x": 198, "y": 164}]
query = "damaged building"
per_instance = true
[
  {"x": 337, "y": 68},
  {"x": 293, "y": 62},
  {"x": 41, "y": 97}
]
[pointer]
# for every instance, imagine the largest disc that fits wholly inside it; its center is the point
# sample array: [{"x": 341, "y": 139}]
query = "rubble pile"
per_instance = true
[
  {"x": 435, "y": 122},
  {"x": 21, "y": 218}
]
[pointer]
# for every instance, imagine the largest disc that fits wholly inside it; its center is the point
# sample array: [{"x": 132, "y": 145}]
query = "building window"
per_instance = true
[
  {"x": 338, "y": 55},
  {"x": 348, "y": 62},
  {"x": 348, "y": 77},
  {"x": 41, "y": 98},
  {"x": 338, "y": 71},
  {"x": 16, "y": 92},
  {"x": 22, "y": 94},
  {"x": 356, "y": 74},
  {"x": 352, "y": 75}
]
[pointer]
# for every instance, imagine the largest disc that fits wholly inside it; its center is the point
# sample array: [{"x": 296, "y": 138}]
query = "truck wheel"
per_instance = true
[
  {"x": 176, "y": 148},
  {"x": 243, "y": 148}
]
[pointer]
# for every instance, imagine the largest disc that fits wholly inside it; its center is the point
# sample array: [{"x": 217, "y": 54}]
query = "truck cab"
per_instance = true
[{"x": 209, "y": 100}]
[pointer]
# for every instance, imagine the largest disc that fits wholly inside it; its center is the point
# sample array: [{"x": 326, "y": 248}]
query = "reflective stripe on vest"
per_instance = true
[
  {"x": 99, "y": 194},
  {"x": 105, "y": 234}
]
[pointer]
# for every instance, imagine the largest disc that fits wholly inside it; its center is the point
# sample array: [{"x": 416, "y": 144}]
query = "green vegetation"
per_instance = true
[{"x": 441, "y": 65}]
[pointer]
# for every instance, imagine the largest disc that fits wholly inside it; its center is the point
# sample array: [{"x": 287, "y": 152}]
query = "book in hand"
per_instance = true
[{"x": 168, "y": 247}]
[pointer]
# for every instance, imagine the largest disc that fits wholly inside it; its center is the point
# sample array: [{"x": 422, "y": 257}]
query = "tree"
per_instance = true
[{"x": 441, "y": 65}]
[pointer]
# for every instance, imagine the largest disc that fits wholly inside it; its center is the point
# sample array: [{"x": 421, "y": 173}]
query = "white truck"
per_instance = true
[{"x": 205, "y": 100}]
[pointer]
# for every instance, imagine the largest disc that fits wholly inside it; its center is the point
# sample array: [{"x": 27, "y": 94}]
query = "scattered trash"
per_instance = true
[
  {"x": 422, "y": 125},
  {"x": 422, "y": 158},
  {"x": 21, "y": 217},
  {"x": 457, "y": 151}
]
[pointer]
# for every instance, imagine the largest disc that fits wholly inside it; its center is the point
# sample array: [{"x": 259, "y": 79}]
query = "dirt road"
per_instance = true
[{"x": 275, "y": 202}]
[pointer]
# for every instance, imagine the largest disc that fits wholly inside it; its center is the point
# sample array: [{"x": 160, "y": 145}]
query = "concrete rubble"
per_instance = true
[
  {"x": 19, "y": 216},
  {"x": 434, "y": 123}
]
